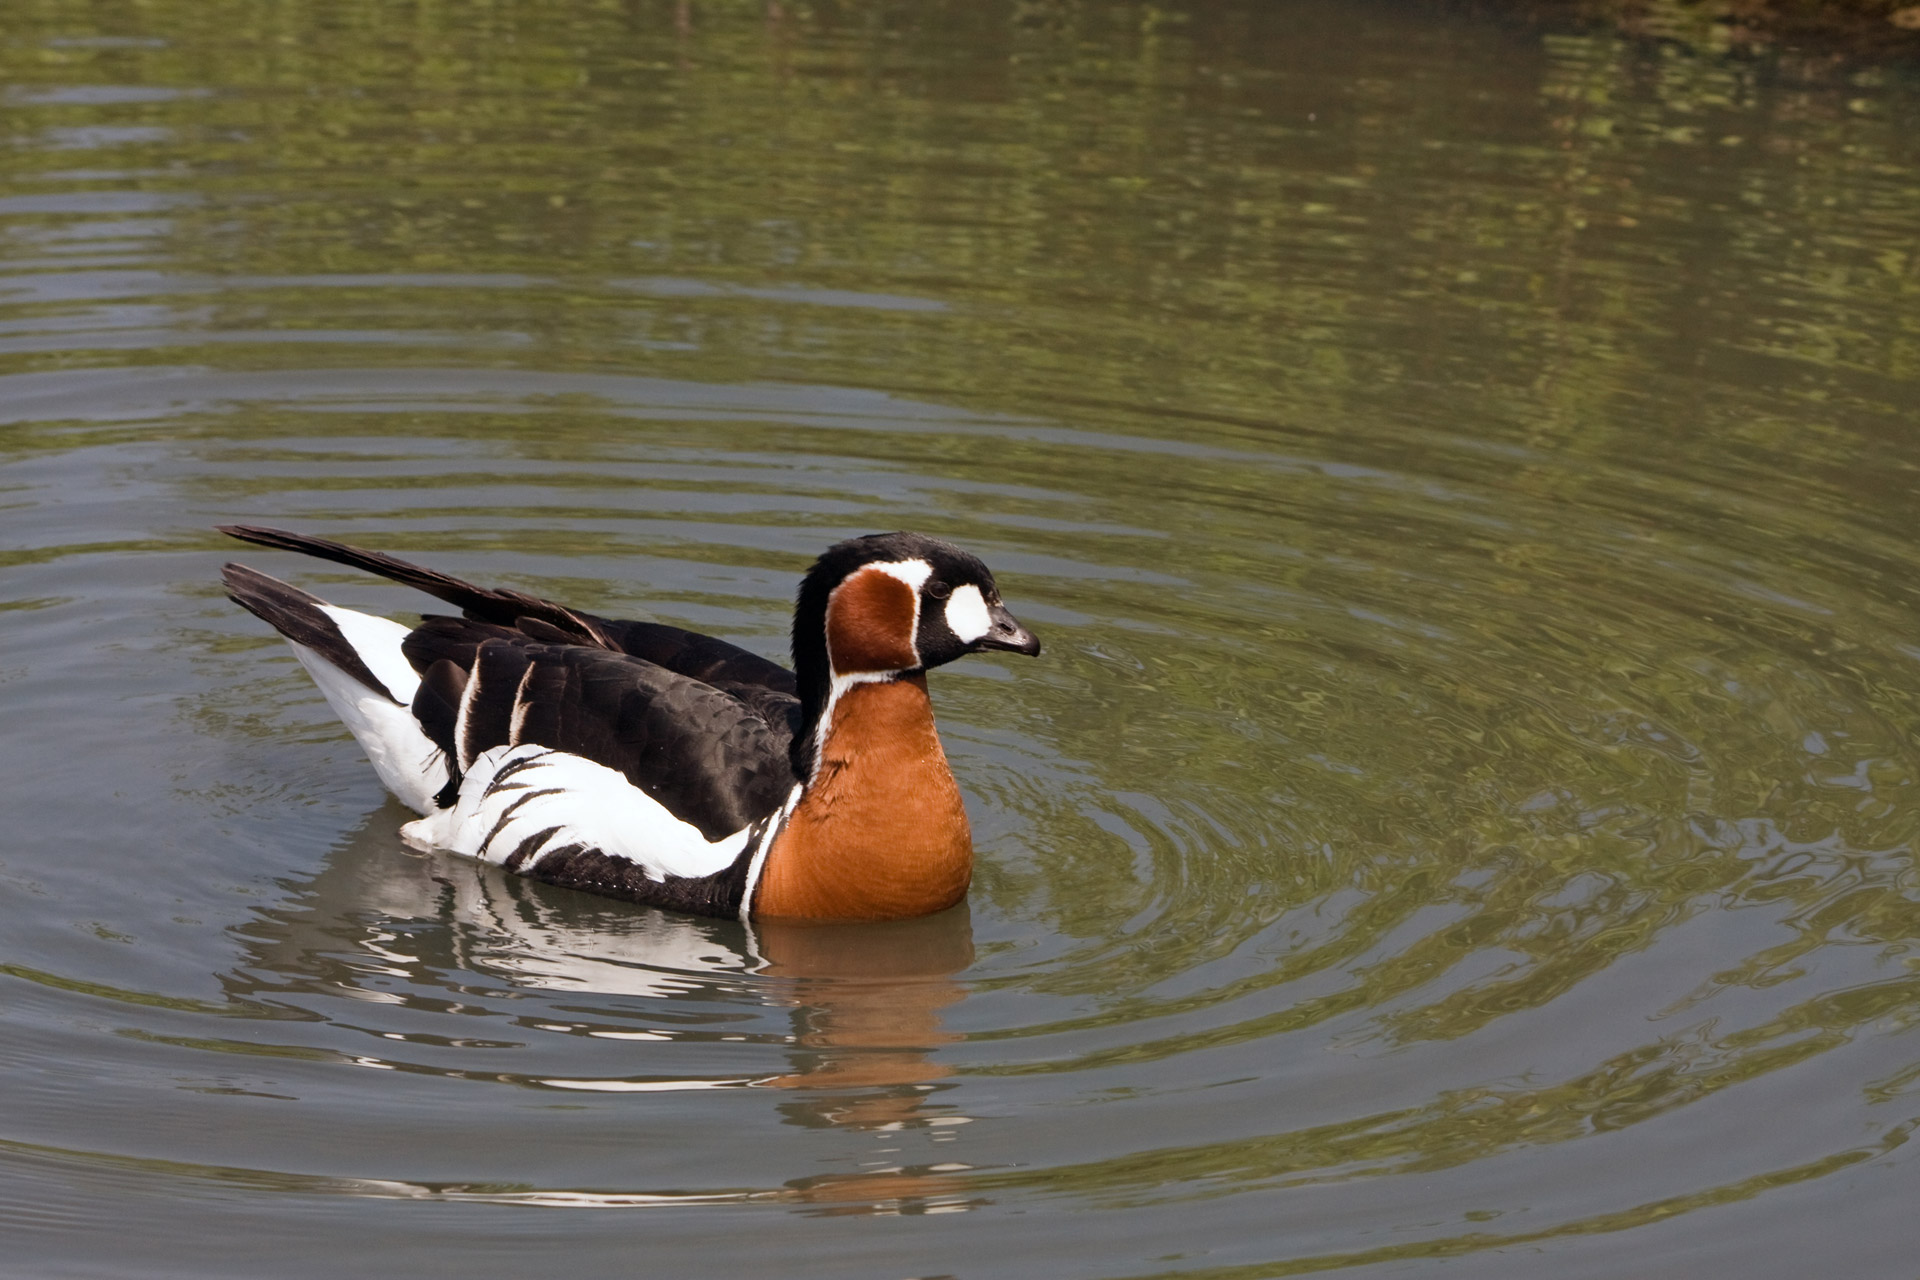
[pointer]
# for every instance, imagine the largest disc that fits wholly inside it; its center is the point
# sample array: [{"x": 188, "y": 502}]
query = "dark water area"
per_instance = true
[{"x": 1464, "y": 473}]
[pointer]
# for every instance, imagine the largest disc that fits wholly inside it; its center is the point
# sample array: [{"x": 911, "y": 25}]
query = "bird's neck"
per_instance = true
[{"x": 880, "y": 831}]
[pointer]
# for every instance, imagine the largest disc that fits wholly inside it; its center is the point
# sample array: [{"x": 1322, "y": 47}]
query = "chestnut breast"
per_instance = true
[{"x": 881, "y": 832}]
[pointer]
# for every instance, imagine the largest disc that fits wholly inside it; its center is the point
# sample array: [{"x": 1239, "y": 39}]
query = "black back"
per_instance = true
[
  {"x": 713, "y": 732},
  {"x": 689, "y": 653},
  {"x": 711, "y": 758},
  {"x": 702, "y": 726}
]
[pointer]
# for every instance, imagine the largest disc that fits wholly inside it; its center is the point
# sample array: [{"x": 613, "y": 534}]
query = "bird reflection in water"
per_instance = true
[
  {"x": 866, "y": 1001},
  {"x": 863, "y": 1002}
]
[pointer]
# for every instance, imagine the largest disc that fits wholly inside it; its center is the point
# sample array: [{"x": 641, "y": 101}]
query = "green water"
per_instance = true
[{"x": 1464, "y": 474}]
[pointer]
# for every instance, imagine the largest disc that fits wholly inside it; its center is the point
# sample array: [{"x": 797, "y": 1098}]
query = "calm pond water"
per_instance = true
[{"x": 1465, "y": 475}]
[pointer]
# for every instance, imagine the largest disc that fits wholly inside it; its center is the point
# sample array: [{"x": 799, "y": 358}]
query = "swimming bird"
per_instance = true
[{"x": 662, "y": 766}]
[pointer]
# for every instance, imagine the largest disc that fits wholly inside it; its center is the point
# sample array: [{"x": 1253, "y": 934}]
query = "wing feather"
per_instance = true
[{"x": 713, "y": 759}]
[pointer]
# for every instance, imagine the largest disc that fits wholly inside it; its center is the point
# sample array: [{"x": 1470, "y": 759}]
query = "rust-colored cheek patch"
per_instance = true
[{"x": 870, "y": 624}]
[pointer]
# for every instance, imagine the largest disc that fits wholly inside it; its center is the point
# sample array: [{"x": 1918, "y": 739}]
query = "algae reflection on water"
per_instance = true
[{"x": 1465, "y": 472}]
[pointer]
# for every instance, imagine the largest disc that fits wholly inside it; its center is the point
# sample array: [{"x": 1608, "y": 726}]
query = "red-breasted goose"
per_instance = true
[{"x": 658, "y": 765}]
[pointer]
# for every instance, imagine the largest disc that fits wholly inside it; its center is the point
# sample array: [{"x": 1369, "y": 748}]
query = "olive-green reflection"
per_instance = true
[
  {"x": 1469, "y": 1125},
  {"x": 609, "y": 142},
  {"x": 1639, "y": 1215},
  {"x": 1563, "y": 780}
]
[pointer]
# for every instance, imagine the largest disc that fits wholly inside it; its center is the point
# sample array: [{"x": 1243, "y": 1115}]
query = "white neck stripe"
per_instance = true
[{"x": 915, "y": 574}]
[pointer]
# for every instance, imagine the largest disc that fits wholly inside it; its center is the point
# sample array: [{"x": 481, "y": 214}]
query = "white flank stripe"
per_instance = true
[
  {"x": 759, "y": 862},
  {"x": 584, "y": 803}
]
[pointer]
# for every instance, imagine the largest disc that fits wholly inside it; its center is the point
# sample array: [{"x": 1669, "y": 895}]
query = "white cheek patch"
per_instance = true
[{"x": 967, "y": 615}]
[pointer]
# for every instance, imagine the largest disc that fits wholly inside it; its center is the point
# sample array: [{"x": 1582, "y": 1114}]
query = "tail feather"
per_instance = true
[
  {"x": 502, "y": 607},
  {"x": 357, "y": 661},
  {"x": 301, "y": 618}
]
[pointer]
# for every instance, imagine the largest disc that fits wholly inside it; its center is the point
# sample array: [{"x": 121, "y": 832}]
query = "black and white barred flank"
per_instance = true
[{"x": 632, "y": 759}]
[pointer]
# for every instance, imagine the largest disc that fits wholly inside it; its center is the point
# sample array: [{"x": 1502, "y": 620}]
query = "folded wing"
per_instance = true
[
  {"x": 713, "y": 760},
  {"x": 632, "y": 759}
]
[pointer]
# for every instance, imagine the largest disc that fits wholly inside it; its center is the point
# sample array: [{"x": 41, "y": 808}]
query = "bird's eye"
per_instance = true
[{"x": 939, "y": 590}]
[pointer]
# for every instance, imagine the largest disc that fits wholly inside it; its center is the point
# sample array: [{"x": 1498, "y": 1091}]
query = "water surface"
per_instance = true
[{"x": 1465, "y": 817}]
